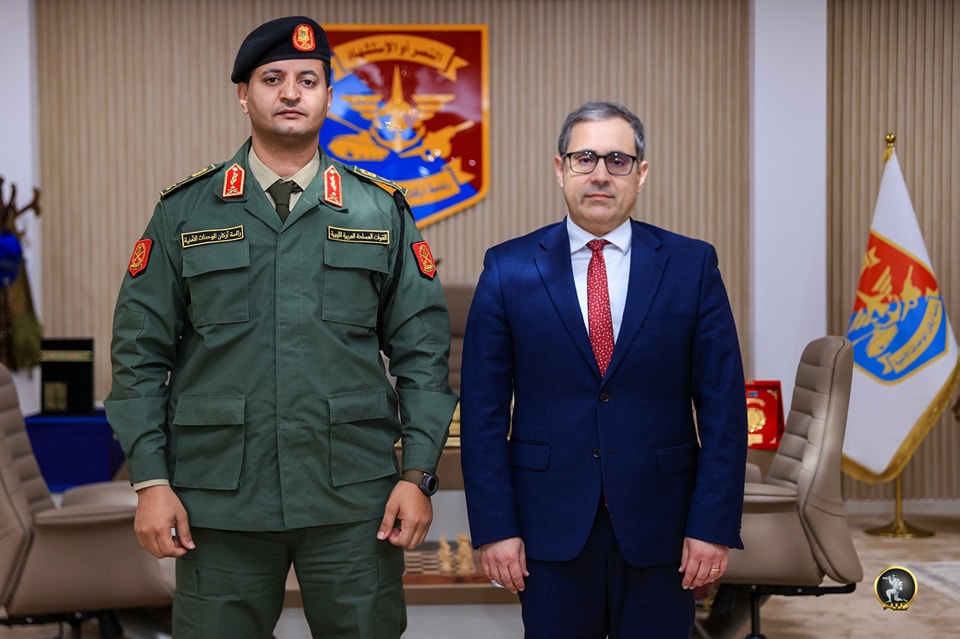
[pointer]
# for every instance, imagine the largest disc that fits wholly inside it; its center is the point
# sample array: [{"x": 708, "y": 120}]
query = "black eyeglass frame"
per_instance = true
[{"x": 587, "y": 153}]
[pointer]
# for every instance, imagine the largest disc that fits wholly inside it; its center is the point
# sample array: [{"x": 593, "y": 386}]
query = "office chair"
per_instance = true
[
  {"x": 459, "y": 297},
  {"x": 71, "y": 563},
  {"x": 795, "y": 529}
]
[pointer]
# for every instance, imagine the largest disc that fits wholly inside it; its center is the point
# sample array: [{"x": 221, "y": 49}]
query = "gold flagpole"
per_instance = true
[{"x": 899, "y": 527}]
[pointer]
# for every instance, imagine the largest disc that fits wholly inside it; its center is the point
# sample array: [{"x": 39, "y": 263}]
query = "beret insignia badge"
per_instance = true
[{"x": 303, "y": 39}]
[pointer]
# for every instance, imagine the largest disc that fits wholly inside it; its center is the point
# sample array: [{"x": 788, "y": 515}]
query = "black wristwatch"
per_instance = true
[{"x": 428, "y": 483}]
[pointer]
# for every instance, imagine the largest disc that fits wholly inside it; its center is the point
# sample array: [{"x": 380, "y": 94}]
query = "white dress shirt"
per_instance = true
[{"x": 616, "y": 256}]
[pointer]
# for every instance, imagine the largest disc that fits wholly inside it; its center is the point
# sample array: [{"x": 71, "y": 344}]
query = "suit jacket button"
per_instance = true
[
  {"x": 596, "y": 453},
  {"x": 604, "y": 398}
]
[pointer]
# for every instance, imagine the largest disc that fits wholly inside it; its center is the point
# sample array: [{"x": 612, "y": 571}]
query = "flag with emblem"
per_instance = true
[{"x": 905, "y": 351}]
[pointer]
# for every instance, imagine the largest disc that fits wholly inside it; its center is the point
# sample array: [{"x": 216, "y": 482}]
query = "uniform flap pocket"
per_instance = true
[
  {"x": 206, "y": 410},
  {"x": 222, "y": 256},
  {"x": 529, "y": 455},
  {"x": 357, "y": 406},
  {"x": 369, "y": 257},
  {"x": 209, "y": 457},
  {"x": 677, "y": 459}
]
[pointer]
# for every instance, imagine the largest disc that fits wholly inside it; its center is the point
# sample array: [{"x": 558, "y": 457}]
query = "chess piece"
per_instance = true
[
  {"x": 444, "y": 556},
  {"x": 465, "y": 565}
]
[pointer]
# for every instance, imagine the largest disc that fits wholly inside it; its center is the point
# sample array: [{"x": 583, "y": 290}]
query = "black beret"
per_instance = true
[{"x": 291, "y": 38}]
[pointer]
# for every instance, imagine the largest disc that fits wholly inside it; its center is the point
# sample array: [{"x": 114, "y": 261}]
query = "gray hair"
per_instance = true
[{"x": 596, "y": 112}]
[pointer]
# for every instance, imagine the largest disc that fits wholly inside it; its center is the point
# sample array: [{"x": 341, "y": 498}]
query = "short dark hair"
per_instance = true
[{"x": 598, "y": 111}]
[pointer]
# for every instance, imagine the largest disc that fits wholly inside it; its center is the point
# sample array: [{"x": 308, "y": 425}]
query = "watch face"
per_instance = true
[{"x": 430, "y": 484}]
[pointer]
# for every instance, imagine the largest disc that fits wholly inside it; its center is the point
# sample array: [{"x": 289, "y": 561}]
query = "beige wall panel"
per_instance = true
[
  {"x": 135, "y": 94},
  {"x": 895, "y": 67}
]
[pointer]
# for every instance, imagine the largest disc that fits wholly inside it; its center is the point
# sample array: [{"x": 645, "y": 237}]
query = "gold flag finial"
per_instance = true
[{"x": 891, "y": 139}]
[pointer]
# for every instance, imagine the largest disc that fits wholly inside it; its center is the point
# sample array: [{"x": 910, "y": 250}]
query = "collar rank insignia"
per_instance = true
[
  {"x": 141, "y": 253},
  {"x": 428, "y": 266},
  {"x": 233, "y": 181},
  {"x": 332, "y": 187}
]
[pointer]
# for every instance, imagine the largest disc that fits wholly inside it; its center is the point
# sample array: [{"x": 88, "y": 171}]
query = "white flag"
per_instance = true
[{"x": 905, "y": 351}]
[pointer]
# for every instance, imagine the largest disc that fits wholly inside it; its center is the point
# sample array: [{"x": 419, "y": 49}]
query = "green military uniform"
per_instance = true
[{"x": 278, "y": 414}]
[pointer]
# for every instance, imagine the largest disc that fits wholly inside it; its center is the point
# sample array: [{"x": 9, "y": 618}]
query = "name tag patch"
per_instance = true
[
  {"x": 211, "y": 236},
  {"x": 359, "y": 236}
]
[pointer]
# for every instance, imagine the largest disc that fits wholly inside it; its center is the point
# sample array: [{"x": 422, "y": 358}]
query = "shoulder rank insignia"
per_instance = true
[
  {"x": 141, "y": 254},
  {"x": 428, "y": 267},
  {"x": 233, "y": 181},
  {"x": 190, "y": 178},
  {"x": 389, "y": 185},
  {"x": 332, "y": 187}
]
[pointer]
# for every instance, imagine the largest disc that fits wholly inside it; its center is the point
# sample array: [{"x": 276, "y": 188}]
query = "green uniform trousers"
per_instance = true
[{"x": 232, "y": 585}]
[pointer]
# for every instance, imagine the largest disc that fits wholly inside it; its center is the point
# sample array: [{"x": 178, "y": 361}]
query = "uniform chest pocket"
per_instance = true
[
  {"x": 351, "y": 281},
  {"x": 217, "y": 276}
]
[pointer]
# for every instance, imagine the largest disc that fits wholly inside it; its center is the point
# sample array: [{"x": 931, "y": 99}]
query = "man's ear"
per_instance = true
[
  {"x": 558, "y": 168},
  {"x": 642, "y": 174},
  {"x": 242, "y": 95}
]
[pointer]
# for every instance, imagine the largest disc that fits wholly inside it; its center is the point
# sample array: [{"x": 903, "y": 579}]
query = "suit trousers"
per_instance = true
[
  {"x": 232, "y": 585},
  {"x": 598, "y": 595}
]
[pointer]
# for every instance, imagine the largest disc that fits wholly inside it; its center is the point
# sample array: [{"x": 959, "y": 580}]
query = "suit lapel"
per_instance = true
[
  {"x": 647, "y": 263},
  {"x": 556, "y": 273}
]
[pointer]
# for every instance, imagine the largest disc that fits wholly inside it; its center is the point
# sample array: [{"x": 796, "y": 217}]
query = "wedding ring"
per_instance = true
[
  {"x": 173, "y": 533},
  {"x": 714, "y": 570},
  {"x": 495, "y": 583}
]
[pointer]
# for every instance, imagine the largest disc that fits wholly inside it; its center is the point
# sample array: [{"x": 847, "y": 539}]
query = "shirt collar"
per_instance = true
[
  {"x": 620, "y": 237},
  {"x": 266, "y": 176}
]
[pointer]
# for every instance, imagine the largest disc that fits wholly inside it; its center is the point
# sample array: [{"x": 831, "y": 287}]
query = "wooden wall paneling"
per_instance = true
[{"x": 135, "y": 94}]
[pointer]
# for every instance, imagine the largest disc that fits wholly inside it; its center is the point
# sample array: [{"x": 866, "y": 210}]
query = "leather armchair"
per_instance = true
[
  {"x": 71, "y": 563},
  {"x": 459, "y": 297},
  {"x": 795, "y": 531}
]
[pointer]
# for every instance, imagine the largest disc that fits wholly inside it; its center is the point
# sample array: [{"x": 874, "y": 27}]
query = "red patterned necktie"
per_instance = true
[{"x": 598, "y": 306}]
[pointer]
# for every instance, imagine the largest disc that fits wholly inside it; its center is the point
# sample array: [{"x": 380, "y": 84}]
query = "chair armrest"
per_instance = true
[
  {"x": 104, "y": 492},
  {"x": 86, "y": 557},
  {"x": 753, "y": 474},
  {"x": 86, "y": 515},
  {"x": 761, "y": 498}
]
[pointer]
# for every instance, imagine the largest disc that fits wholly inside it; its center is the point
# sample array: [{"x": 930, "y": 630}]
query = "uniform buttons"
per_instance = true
[
  {"x": 604, "y": 398},
  {"x": 596, "y": 453}
]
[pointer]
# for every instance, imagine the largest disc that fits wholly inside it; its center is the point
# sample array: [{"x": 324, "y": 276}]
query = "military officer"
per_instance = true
[{"x": 249, "y": 392}]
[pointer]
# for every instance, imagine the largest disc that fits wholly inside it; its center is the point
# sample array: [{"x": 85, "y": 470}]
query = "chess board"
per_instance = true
[{"x": 423, "y": 567}]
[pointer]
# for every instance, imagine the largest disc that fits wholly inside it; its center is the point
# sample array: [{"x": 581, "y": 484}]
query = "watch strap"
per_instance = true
[{"x": 413, "y": 476}]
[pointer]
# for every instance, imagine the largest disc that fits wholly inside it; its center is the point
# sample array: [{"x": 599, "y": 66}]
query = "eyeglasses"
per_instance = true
[{"x": 586, "y": 161}]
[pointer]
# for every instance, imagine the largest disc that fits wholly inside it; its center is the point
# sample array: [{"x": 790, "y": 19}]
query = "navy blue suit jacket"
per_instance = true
[{"x": 529, "y": 370}]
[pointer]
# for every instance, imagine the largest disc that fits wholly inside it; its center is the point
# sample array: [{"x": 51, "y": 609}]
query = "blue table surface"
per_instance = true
[{"x": 97, "y": 417}]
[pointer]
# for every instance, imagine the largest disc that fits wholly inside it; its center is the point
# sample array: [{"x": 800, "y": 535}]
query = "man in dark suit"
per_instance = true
[{"x": 603, "y": 413}]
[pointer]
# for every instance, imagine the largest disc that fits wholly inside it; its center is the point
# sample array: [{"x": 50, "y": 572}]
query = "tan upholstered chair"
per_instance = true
[
  {"x": 459, "y": 297},
  {"x": 70, "y": 563},
  {"x": 795, "y": 530}
]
